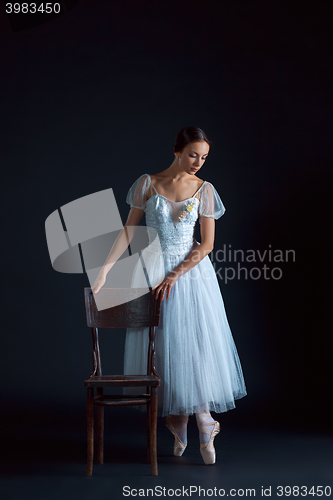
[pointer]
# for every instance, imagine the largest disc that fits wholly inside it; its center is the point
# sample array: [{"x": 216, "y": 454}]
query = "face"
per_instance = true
[{"x": 193, "y": 156}]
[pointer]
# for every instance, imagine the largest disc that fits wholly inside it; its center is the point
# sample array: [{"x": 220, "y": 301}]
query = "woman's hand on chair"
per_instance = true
[
  {"x": 99, "y": 282},
  {"x": 165, "y": 286}
]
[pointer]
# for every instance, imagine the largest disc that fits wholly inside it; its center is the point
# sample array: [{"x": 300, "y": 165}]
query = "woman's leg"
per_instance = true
[
  {"x": 208, "y": 429},
  {"x": 204, "y": 417},
  {"x": 177, "y": 424}
]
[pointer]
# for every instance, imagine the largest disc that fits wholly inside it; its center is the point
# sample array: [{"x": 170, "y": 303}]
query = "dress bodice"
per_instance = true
[
  {"x": 174, "y": 222},
  {"x": 175, "y": 238}
]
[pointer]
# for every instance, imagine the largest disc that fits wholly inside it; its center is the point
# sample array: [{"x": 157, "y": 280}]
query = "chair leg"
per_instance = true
[
  {"x": 90, "y": 431},
  {"x": 100, "y": 430},
  {"x": 148, "y": 432},
  {"x": 153, "y": 431},
  {"x": 148, "y": 425}
]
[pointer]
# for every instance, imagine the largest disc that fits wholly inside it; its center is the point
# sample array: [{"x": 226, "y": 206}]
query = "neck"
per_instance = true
[{"x": 175, "y": 171}]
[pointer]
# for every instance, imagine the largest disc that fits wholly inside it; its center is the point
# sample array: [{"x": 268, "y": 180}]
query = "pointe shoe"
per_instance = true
[
  {"x": 207, "y": 450},
  {"x": 178, "y": 446}
]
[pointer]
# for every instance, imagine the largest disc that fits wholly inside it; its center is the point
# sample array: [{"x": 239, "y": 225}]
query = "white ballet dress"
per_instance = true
[{"x": 196, "y": 357}]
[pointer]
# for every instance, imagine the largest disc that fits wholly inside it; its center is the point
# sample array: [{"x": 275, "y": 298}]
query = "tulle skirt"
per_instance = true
[{"x": 196, "y": 357}]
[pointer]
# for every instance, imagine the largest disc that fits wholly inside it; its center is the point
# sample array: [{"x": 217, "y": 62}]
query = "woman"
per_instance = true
[{"x": 196, "y": 357}]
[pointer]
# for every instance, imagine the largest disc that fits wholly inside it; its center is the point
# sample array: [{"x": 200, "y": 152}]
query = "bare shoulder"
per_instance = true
[
  {"x": 159, "y": 175},
  {"x": 199, "y": 182}
]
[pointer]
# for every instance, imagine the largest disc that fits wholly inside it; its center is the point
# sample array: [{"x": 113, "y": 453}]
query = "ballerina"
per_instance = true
[{"x": 196, "y": 357}]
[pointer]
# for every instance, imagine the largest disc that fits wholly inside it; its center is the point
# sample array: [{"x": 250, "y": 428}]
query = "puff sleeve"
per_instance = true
[
  {"x": 210, "y": 202},
  {"x": 138, "y": 192}
]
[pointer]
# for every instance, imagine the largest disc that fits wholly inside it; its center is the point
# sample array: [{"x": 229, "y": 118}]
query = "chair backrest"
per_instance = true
[{"x": 140, "y": 312}]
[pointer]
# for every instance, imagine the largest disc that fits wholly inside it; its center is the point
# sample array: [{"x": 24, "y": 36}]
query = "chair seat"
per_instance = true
[{"x": 122, "y": 381}]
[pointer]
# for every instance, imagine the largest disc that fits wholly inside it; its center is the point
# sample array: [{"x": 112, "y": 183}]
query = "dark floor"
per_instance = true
[{"x": 46, "y": 460}]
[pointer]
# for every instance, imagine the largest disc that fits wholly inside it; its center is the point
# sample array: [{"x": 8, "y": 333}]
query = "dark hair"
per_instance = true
[{"x": 187, "y": 135}]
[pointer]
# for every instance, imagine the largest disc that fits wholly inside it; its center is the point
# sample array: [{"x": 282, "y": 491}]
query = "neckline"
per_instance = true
[
  {"x": 167, "y": 199},
  {"x": 183, "y": 201},
  {"x": 171, "y": 201}
]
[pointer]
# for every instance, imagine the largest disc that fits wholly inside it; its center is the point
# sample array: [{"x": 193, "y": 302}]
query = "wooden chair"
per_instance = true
[{"x": 143, "y": 311}]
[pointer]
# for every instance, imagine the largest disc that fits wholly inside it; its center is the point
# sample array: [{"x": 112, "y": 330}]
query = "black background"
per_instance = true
[{"x": 94, "y": 98}]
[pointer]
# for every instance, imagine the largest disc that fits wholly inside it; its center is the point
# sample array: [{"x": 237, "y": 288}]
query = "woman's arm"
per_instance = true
[
  {"x": 207, "y": 232},
  {"x": 122, "y": 241}
]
